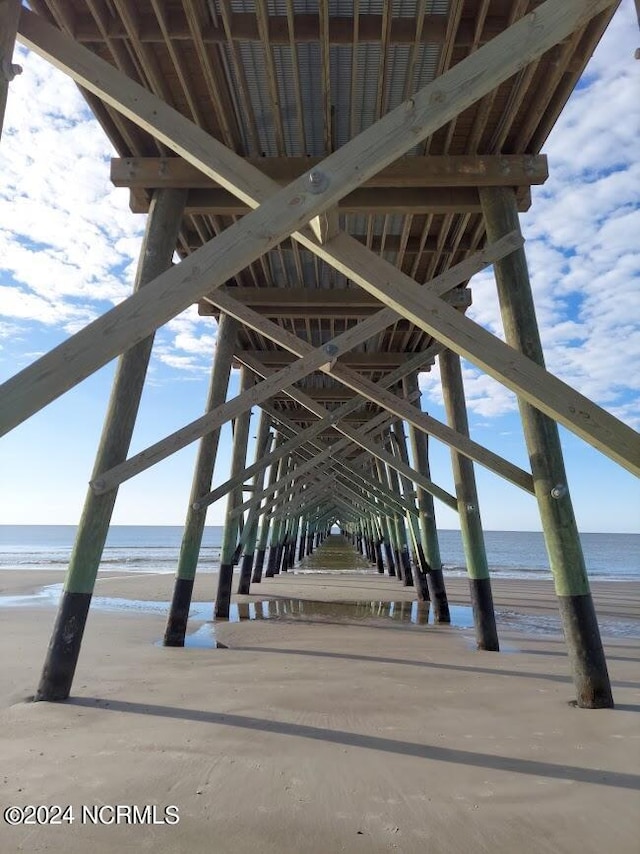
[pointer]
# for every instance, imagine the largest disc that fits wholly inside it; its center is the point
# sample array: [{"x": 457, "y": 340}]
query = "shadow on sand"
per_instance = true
[{"x": 369, "y": 742}]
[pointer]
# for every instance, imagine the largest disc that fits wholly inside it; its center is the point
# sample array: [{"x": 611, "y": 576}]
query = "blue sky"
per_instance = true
[{"x": 69, "y": 247}]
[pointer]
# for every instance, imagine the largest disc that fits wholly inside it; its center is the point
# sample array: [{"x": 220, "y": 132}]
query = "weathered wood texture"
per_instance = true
[
  {"x": 446, "y": 171},
  {"x": 64, "y": 648},
  {"x": 9, "y": 15},
  {"x": 374, "y": 149},
  {"x": 547, "y": 466}
]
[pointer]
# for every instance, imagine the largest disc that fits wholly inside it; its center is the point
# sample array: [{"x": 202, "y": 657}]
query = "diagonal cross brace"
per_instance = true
[{"x": 290, "y": 208}]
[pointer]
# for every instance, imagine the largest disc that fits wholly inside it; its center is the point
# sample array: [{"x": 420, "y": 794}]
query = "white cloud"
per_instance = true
[
  {"x": 66, "y": 233},
  {"x": 582, "y": 240},
  {"x": 187, "y": 342},
  {"x": 69, "y": 243}
]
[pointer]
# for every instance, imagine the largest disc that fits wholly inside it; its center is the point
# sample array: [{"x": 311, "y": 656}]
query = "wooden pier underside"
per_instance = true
[{"x": 340, "y": 165}]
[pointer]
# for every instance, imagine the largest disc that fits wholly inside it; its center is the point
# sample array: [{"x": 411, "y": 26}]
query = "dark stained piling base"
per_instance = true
[
  {"x": 284, "y": 558},
  {"x": 420, "y": 576},
  {"x": 399, "y": 564},
  {"x": 257, "y": 569},
  {"x": 179, "y": 612},
  {"x": 64, "y": 647},
  {"x": 271, "y": 562},
  {"x": 223, "y": 599},
  {"x": 278, "y": 559},
  {"x": 291, "y": 562},
  {"x": 236, "y": 554},
  {"x": 484, "y": 617},
  {"x": 245, "y": 573},
  {"x": 379, "y": 561},
  {"x": 407, "y": 575},
  {"x": 389, "y": 556},
  {"x": 588, "y": 664},
  {"x": 422, "y": 588},
  {"x": 438, "y": 594}
]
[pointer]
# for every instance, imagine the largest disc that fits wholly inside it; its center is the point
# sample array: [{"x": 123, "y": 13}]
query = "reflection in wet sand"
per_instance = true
[{"x": 412, "y": 613}]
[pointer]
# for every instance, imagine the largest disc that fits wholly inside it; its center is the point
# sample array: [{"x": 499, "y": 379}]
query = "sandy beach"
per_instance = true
[{"x": 315, "y": 732}]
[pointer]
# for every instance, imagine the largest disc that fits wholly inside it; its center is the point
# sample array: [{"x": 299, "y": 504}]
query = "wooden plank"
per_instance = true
[
  {"x": 562, "y": 538},
  {"x": 515, "y": 170},
  {"x": 337, "y": 447},
  {"x": 316, "y": 302},
  {"x": 523, "y": 376},
  {"x": 360, "y": 437},
  {"x": 302, "y": 473},
  {"x": 243, "y": 28},
  {"x": 9, "y": 15},
  {"x": 375, "y": 361},
  {"x": 370, "y": 200},
  {"x": 366, "y": 388},
  {"x": 413, "y": 364},
  {"x": 353, "y": 164},
  {"x": 314, "y": 359},
  {"x": 413, "y": 245}
]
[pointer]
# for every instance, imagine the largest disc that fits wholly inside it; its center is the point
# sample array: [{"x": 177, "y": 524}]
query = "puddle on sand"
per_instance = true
[{"x": 416, "y": 613}]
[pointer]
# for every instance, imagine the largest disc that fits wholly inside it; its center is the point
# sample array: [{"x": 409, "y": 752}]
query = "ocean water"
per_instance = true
[{"x": 511, "y": 554}]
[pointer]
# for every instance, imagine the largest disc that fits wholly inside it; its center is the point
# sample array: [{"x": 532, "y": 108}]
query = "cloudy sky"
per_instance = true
[{"x": 68, "y": 251}]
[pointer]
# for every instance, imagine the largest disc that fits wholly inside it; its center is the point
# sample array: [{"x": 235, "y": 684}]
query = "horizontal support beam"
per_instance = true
[
  {"x": 497, "y": 170},
  {"x": 413, "y": 245},
  {"x": 386, "y": 400},
  {"x": 300, "y": 416},
  {"x": 243, "y": 27},
  {"x": 363, "y": 362},
  {"x": 411, "y": 365},
  {"x": 370, "y": 200},
  {"x": 316, "y": 302},
  {"x": 338, "y": 393},
  {"x": 286, "y": 211}
]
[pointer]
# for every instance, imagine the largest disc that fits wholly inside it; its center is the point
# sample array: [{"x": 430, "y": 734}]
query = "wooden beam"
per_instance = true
[
  {"x": 9, "y": 15},
  {"x": 364, "y": 387},
  {"x": 322, "y": 462},
  {"x": 321, "y": 358},
  {"x": 337, "y": 393},
  {"x": 468, "y": 507},
  {"x": 243, "y": 27},
  {"x": 368, "y": 362},
  {"x": 354, "y": 163},
  {"x": 337, "y": 447},
  {"x": 316, "y": 302},
  {"x": 155, "y": 255},
  {"x": 315, "y": 359},
  {"x": 413, "y": 364},
  {"x": 360, "y": 437},
  {"x": 562, "y": 539},
  {"x": 370, "y": 200},
  {"x": 498, "y": 170},
  {"x": 392, "y": 243},
  {"x": 470, "y": 340}
]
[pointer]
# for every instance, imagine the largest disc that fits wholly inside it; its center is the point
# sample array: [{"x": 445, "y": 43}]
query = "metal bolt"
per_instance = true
[
  {"x": 318, "y": 181},
  {"x": 10, "y": 70},
  {"x": 559, "y": 491}
]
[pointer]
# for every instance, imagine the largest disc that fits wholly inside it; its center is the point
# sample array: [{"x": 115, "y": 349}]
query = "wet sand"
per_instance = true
[{"x": 321, "y": 735}]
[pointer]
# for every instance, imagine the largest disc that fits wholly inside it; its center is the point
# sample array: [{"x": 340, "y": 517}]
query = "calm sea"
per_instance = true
[{"x": 514, "y": 554}]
